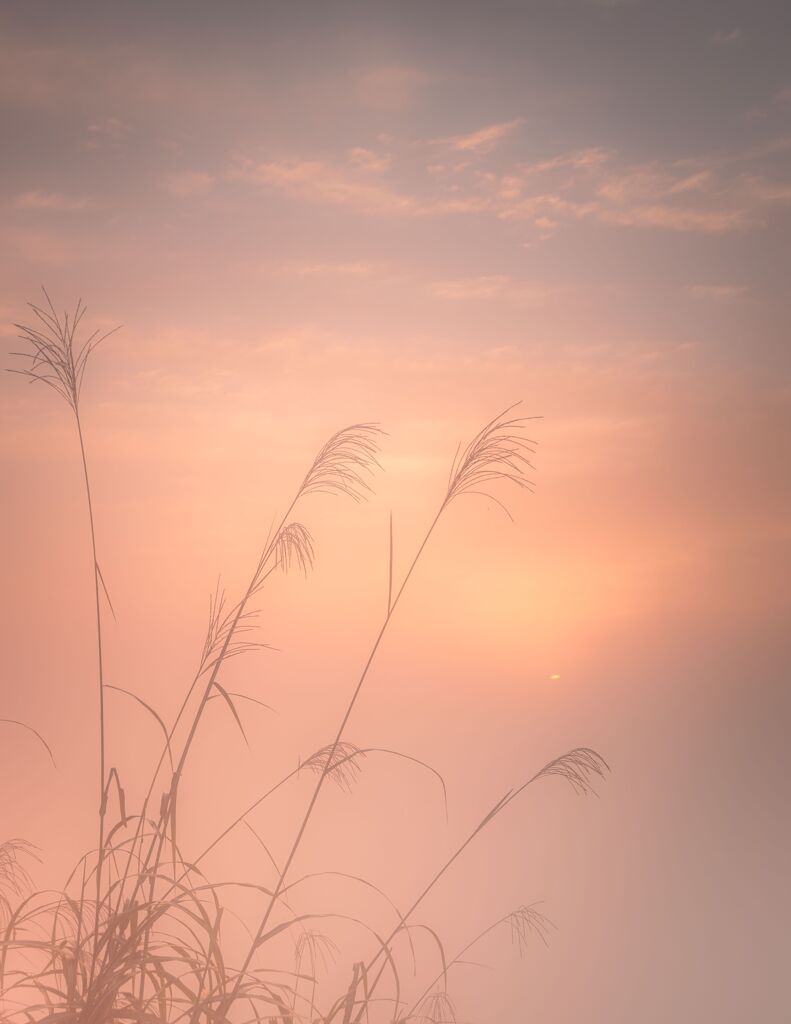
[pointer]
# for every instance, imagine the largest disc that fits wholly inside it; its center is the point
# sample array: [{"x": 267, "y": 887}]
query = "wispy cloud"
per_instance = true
[
  {"x": 320, "y": 181},
  {"x": 369, "y": 159},
  {"x": 726, "y": 37},
  {"x": 498, "y": 286},
  {"x": 691, "y": 195},
  {"x": 590, "y": 159},
  {"x": 389, "y": 88},
  {"x": 783, "y": 98},
  {"x": 592, "y": 184},
  {"x": 42, "y": 248},
  {"x": 56, "y": 201},
  {"x": 343, "y": 269},
  {"x": 717, "y": 292},
  {"x": 188, "y": 183},
  {"x": 676, "y": 219},
  {"x": 482, "y": 139},
  {"x": 108, "y": 133}
]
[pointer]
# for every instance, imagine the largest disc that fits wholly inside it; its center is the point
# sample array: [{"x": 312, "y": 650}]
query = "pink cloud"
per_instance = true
[
  {"x": 579, "y": 160},
  {"x": 389, "y": 88},
  {"x": 726, "y": 37},
  {"x": 322, "y": 182},
  {"x": 497, "y": 286},
  {"x": 42, "y": 247},
  {"x": 188, "y": 183},
  {"x": 717, "y": 292},
  {"x": 368, "y": 160},
  {"x": 35, "y": 200},
  {"x": 690, "y": 195},
  {"x": 677, "y": 218},
  {"x": 354, "y": 269},
  {"x": 108, "y": 133},
  {"x": 484, "y": 139}
]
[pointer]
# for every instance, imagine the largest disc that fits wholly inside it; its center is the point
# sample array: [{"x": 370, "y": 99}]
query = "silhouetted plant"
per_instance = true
[{"x": 137, "y": 933}]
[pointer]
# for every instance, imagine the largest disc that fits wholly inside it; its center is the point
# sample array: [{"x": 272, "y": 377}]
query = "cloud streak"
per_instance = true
[
  {"x": 54, "y": 201},
  {"x": 483, "y": 139},
  {"x": 594, "y": 185}
]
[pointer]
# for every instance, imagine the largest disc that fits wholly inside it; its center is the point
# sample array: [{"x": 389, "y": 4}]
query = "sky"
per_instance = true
[{"x": 306, "y": 215}]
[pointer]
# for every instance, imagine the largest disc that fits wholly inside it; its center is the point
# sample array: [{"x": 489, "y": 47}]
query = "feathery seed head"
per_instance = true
[
  {"x": 343, "y": 463},
  {"x": 437, "y": 1008},
  {"x": 318, "y": 947},
  {"x": 340, "y": 762},
  {"x": 526, "y": 920},
  {"x": 578, "y": 767},
  {"x": 500, "y": 451},
  {"x": 54, "y": 355},
  {"x": 14, "y": 876},
  {"x": 294, "y": 546}
]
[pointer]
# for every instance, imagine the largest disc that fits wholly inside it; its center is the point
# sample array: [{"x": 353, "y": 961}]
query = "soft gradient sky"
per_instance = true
[{"x": 310, "y": 214}]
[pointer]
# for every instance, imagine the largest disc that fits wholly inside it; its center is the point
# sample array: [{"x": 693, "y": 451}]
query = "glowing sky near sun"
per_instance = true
[{"x": 306, "y": 215}]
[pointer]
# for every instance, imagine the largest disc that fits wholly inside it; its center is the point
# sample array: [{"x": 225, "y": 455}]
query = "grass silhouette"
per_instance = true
[{"x": 137, "y": 932}]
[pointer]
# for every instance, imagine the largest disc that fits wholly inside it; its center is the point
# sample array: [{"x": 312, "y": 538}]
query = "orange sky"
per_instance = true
[{"x": 311, "y": 215}]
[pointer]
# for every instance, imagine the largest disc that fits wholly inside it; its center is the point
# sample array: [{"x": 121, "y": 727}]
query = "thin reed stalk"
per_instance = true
[
  {"x": 499, "y": 452},
  {"x": 138, "y": 932},
  {"x": 57, "y": 357},
  {"x": 578, "y": 767}
]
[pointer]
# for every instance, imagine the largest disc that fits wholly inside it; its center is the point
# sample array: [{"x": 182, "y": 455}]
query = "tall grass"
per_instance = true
[{"x": 138, "y": 931}]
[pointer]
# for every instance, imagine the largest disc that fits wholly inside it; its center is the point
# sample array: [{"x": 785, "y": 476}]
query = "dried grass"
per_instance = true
[{"x": 138, "y": 932}]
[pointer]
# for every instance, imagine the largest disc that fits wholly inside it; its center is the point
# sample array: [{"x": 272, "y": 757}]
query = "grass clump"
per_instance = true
[{"x": 138, "y": 931}]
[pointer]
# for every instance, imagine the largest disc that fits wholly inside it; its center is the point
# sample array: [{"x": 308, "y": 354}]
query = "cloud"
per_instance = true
[
  {"x": 56, "y": 201},
  {"x": 108, "y": 133},
  {"x": 343, "y": 185},
  {"x": 653, "y": 181},
  {"x": 368, "y": 160},
  {"x": 352, "y": 269},
  {"x": 674, "y": 218},
  {"x": 686, "y": 195},
  {"x": 391, "y": 88},
  {"x": 482, "y": 140},
  {"x": 42, "y": 248},
  {"x": 725, "y": 37},
  {"x": 319, "y": 181},
  {"x": 188, "y": 183},
  {"x": 578, "y": 160},
  {"x": 700, "y": 180},
  {"x": 769, "y": 192},
  {"x": 497, "y": 286},
  {"x": 717, "y": 292}
]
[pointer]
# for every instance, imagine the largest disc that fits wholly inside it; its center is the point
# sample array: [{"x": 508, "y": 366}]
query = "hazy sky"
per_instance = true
[{"x": 310, "y": 214}]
